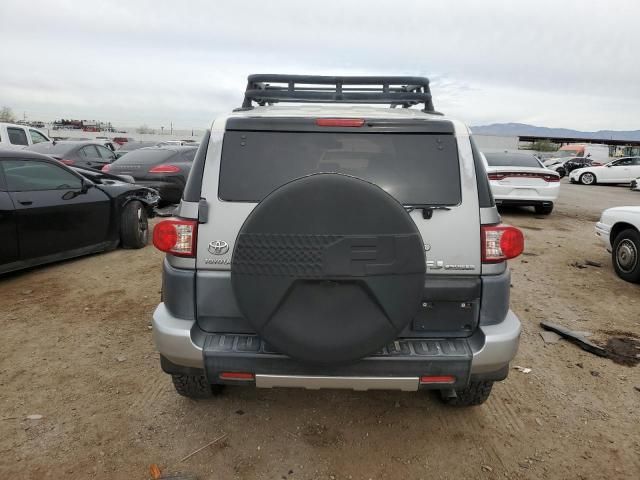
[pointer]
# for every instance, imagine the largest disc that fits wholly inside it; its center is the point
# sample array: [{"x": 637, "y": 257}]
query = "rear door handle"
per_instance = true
[{"x": 25, "y": 202}]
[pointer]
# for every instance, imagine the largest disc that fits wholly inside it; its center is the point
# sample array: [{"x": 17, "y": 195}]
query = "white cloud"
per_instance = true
[{"x": 569, "y": 63}]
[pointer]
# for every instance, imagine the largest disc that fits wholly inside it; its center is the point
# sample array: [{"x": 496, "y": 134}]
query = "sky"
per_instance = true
[{"x": 567, "y": 63}]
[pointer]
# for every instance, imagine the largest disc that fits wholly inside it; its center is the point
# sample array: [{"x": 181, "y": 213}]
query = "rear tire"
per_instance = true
[
  {"x": 476, "y": 393},
  {"x": 194, "y": 386},
  {"x": 544, "y": 209},
  {"x": 588, "y": 178},
  {"x": 134, "y": 229},
  {"x": 625, "y": 255}
]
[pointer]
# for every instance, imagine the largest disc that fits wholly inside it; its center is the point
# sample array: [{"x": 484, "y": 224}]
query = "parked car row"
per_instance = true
[{"x": 51, "y": 212}]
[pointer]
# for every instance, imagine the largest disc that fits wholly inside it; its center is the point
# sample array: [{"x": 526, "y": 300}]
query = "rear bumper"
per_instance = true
[
  {"x": 485, "y": 355},
  {"x": 170, "y": 190},
  {"x": 533, "y": 194}
]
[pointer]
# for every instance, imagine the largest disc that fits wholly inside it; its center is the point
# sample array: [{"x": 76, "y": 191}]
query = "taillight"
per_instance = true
[
  {"x": 106, "y": 168},
  {"x": 339, "y": 122},
  {"x": 165, "y": 169},
  {"x": 500, "y": 242},
  {"x": 176, "y": 236},
  {"x": 547, "y": 177},
  {"x": 427, "y": 379},
  {"x": 67, "y": 161}
]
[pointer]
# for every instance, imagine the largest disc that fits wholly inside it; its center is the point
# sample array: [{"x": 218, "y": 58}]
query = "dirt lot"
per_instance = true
[{"x": 77, "y": 349}]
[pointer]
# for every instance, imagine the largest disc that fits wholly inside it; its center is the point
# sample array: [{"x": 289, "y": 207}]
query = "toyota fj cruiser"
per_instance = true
[{"x": 334, "y": 246}]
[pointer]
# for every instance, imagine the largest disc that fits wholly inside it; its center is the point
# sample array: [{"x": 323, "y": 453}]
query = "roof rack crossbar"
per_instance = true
[{"x": 266, "y": 89}]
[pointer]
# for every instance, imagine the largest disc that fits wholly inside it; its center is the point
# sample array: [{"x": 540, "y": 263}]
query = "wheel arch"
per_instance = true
[{"x": 619, "y": 227}]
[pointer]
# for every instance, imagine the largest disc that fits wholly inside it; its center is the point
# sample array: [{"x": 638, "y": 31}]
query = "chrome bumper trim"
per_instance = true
[{"x": 406, "y": 384}]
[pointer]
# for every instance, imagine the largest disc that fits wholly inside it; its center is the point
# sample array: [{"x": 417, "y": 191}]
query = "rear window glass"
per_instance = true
[
  {"x": 146, "y": 156},
  {"x": 505, "y": 160},
  {"x": 417, "y": 169}
]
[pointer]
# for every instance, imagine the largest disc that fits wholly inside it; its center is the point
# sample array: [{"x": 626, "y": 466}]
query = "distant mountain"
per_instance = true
[{"x": 516, "y": 129}]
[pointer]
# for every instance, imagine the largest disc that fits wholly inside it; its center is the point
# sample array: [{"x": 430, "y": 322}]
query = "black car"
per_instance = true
[
  {"x": 49, "y": 212},
  {"x": 164, "y": 168},
  {"x": 76, "y": 153}
]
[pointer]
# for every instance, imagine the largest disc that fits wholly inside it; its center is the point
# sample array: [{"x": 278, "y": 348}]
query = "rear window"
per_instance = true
[
  {"x": 417, "y": 169},
  {"x": 146, "y": 156},
  {"x": 515, "y": 160}
]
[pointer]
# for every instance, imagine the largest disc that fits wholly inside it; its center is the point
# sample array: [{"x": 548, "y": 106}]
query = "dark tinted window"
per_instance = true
[
  {"x": 146, "y": 156},
  {"x": 511, "y": 160},
  {"x": 89, "y": 152},
  {"x": 30, "y": 175},
  {"x": 17, "y": 136},
  {"x": 485, "y": 197},
  {"x": 417, "y": 169},
  {"x": 623, "y": 162},
  {"x": 105, "y": 153}
]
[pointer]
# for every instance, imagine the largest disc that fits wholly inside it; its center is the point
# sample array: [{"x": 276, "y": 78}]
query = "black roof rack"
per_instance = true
[{"x": 265, "y": 89}]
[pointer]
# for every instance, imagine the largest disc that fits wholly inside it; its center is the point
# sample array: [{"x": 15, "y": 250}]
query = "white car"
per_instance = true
[
  {"x": 619, "y": 229},
  {"x": 622, "y": 170},
  {"x": 14, "y": 136},
  {"x": 520, "y": 179}
]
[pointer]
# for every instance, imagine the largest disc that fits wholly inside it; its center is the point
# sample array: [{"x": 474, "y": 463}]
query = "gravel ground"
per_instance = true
[{"x": 77, "y": 349}]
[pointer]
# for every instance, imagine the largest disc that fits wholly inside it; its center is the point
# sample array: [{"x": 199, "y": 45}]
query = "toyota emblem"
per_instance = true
[{"x": 218, "y": 247}]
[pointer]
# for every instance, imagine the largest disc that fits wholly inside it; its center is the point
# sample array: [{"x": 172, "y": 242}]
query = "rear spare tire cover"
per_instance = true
[{"x": 328, "y": 268}]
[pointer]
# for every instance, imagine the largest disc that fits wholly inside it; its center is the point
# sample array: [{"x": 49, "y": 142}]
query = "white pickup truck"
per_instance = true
[
  {"x": 20, "y": 136},
  {"x": 619, "y": 230}
]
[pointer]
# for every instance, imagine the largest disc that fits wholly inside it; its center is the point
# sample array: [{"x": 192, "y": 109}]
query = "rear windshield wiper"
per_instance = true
[{"x": 427, "y": 210}]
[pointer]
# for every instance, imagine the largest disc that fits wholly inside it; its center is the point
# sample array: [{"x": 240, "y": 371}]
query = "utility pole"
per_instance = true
[{"x": 171, "y": 128}]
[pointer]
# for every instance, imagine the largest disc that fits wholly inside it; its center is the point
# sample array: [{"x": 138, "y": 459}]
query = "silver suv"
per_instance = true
[{"x": 337, "y": 246}]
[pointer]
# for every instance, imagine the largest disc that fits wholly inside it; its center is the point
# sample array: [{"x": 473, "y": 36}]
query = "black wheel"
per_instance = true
[
  {"x": 475, "y": 394},
  {"x": 194, "y": 386},
  {"x": 562, "y": 172},
  {"x": 544, "y": 209},
  {"x": 134, "y": 229},
  {"x": 625, "y": 258},
  {"x": 588, "y": 178}
]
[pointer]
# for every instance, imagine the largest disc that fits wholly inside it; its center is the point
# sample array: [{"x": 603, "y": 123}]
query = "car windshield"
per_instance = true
[
  {"x": 50, "y": 148},
  {"x": 146, "y": 156},
  {"x": 511, "y": 160},
  {"x": 417, "y": 169}
]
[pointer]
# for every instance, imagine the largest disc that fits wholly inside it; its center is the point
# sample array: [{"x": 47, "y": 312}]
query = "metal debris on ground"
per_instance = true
[
  {"x": 591, "y": 263},
  {"x": 522, "y": 369},
  {"x": 574, "y": 337}
]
